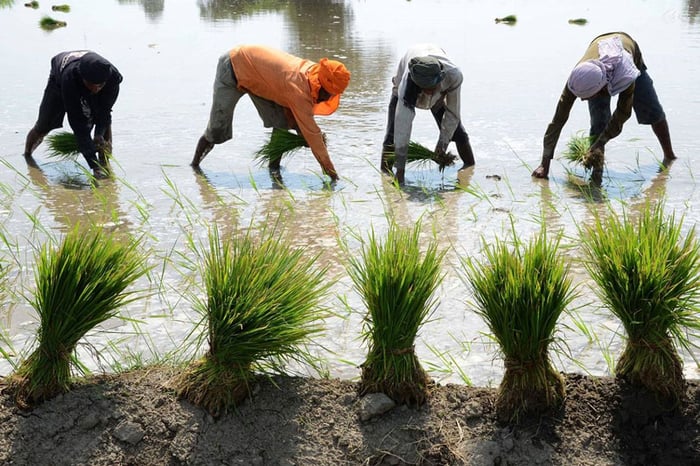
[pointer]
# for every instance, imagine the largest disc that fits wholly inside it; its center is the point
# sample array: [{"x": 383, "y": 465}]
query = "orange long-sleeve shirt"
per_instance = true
[{"x": 282, "y": 78}]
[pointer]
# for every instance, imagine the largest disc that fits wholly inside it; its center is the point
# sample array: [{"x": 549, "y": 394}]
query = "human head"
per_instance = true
[
  {"x": 426, "y": 71},
  {"x": 95, "y": 71},
  {"x": 334, "y": 77},
  {"x": 587, "y": 79}
]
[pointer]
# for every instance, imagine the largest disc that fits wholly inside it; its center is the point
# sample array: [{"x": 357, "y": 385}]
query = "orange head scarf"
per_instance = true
[{"x": 334, "y": 77}]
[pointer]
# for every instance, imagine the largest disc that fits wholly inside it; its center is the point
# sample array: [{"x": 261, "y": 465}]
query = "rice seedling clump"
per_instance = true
[
  {"x": 262, "y": 306},
  {"x": 577, "y": 147},
  {"x": 282, "y": 142},
  {"x": 521, "y": 293},
  {"x": 79, "y": 284},
  {"x": 49, "y": 23},
  {"x": 397, "y": 284},
  {"x": 648, "y": 275},
  {"x": 418, "y": 153},
  {"x": 510, "y": 19},
  {"x": 62, "y": 145}
]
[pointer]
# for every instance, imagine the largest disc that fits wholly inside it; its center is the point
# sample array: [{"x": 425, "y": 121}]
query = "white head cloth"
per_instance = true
[{"x": 615, "y": 68}]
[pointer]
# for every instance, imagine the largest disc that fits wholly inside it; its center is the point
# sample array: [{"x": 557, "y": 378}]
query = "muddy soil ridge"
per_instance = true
[{"x": 135, "y": 418}]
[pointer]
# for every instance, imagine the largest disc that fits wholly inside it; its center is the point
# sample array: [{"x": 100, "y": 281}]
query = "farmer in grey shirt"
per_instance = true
[{"x": 425, "y": 79}]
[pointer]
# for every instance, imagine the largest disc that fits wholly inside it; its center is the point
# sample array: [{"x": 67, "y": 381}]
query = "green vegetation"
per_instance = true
[
  {"x": 282, "y": 142},
  {"x": 48, "y": 23},
  {"x": 577, "y": 147},
  {"x": 80, "y": 284},
  {"x": 397, "y": 284},
  {"x": 510, "y": 19},
  {"x": 649, "y": 278},
  {"x": 33, "y": 4},
  {"x": 521, "y": 293},
  {"x": 62, "y": 145},
  {"x": 262, "y": 305},
  {"x": 578, "y": 21},
  {"x": 419, "y": 153},
  {"x": 62, "y": 8}
]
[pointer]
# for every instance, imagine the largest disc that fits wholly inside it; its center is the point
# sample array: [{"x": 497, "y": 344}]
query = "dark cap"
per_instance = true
[
  {"x": 426, "y": 72},
  {"x": 94, "y": 69}
]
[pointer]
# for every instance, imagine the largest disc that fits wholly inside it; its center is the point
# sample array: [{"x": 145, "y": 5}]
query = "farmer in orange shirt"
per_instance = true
[{"x": 287, "y": 92}]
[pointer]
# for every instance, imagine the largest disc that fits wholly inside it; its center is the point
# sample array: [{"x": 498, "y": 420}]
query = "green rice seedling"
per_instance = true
[
  {"x": 48, "y": 23},
  {"x": 648, "y": 275},
  {"x": 577, "y": 147},
  {"x": 521, "y": 293},
  {"x": 421, "y": 154},
  {"x": 262, "y": 305},
  {"x": 510, "y": 19},
  {"x": 62, "y": 145},
  {"x": 397, "y": 284},
  {"x": 64, "y": 8},
  {"x": 578, "y": 21},
  {"x": 79, "y": 284},
  {"x": 33, "y": 4},
  {"x": 282, "y": 142}
]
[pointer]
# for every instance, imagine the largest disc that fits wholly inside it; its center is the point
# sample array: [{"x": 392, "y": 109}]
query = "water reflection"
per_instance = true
[
  {"x": 692, "y": 10},
  {"x": 224, "y": 212},
  {"x": 152, "y": 8},
  {"x": 72, "y": 200}
]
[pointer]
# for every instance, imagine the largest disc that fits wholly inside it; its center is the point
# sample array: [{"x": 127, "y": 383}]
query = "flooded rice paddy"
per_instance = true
[{"x": 513, "y": 75}]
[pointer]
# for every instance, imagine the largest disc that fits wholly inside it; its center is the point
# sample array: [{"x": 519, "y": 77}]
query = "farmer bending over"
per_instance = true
[
  {"x": 83, "y": 85},
  {"x": 287, "y": 92},
  {"x": 612, "y": 65},
  {"x": 425, "y": 79}
]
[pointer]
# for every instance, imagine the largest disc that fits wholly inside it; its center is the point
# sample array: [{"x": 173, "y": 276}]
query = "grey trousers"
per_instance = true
[{"x": 224, "y": 101}]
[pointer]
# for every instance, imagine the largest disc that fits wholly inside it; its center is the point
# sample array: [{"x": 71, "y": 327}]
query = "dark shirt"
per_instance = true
[{"x": 83, "y": 108}]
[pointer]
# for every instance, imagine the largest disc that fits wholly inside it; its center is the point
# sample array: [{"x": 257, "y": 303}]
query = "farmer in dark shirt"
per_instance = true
[
  {"x": 83, "y": 85},
  {"x": 611, "y": 66}
]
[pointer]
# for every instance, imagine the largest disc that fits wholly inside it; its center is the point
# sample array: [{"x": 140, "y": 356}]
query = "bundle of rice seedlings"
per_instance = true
[
  {"x": 62, "y": 145},
  {"x": 397, "y": 284},
  {"x": 577, "y": 147},
  {"x": 521, "y": 293},
  {"x": 421, "y": 154},
  {"x": 79, "y": 284},
  {"x": 48, "y": 23},
  {"x": 62, "y": 8},
  {"x": 262, "y": 306},
  {"x": 282, "y": 142},
  {"x": 510, "y": 19},
  {"x": 649, "y": 278},
  {"x": 578, "y": 21},
  {"x": 33, "y": 4}
]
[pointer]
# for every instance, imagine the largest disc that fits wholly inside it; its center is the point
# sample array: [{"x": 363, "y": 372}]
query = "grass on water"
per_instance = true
[
  {"x": 397, "y": 284},
  {"x": 262, "y": 305},
  {"x": 520, "y": 293},
  {"x": 48, "y": 22},
  {"x": 510, "y": 19},
  {"x": 79, "y": 284},
  {"x": 648, "y": 275}
]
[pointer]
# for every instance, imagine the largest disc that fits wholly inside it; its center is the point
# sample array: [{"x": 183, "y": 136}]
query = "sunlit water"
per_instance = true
[{"x": 167, "y": 52}]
